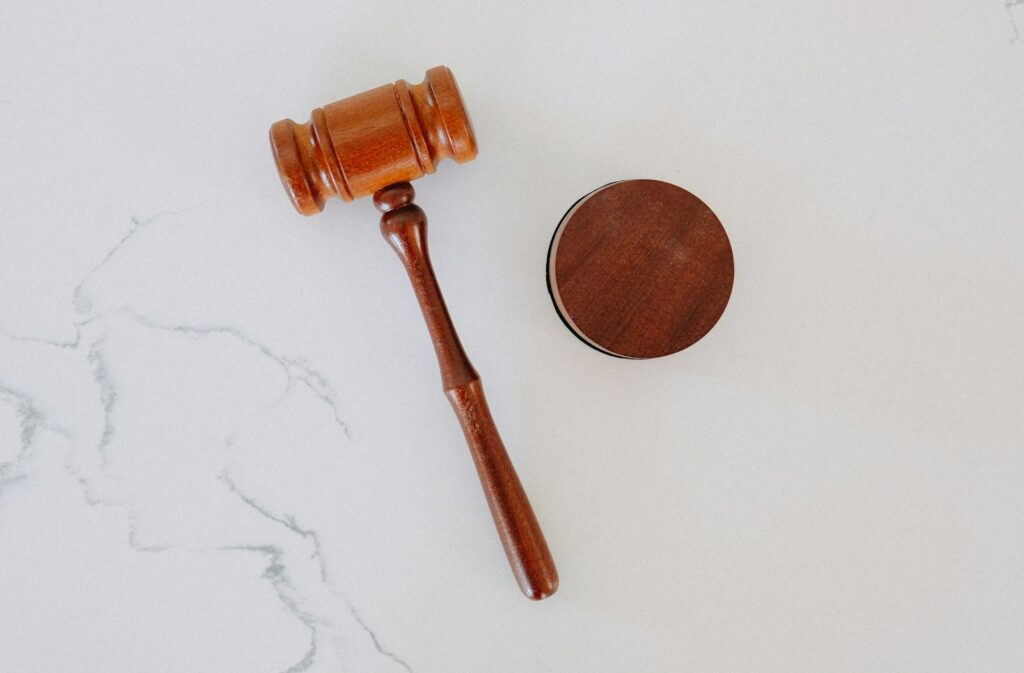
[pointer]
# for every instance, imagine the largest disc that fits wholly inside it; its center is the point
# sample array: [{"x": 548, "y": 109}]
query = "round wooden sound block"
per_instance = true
[{"x": 640, "y": 269}]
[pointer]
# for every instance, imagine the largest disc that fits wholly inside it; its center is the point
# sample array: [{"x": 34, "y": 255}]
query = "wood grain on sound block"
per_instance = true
[{"x": 640, "y": 269}]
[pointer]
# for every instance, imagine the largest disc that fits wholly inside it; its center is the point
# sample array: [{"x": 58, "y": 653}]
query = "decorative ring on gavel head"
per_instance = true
[{"x": 358, "y": 145}]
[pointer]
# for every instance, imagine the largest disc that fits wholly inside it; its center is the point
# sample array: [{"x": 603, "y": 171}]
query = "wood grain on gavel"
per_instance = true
[{"x": 374, "y": 143}]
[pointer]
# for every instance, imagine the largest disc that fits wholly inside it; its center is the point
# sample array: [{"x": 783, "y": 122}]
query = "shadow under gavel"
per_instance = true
[{"x": 374, "y": 143}]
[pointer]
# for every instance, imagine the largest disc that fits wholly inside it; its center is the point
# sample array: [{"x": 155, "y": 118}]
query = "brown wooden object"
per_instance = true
[
  {"x": 640, "y": 269},
  {"x": 374, "y": 143},
  {"x": 353, "y": 147}
]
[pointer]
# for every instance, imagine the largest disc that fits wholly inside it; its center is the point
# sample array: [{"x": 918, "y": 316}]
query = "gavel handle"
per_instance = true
[{"x": 404, "y": 226}]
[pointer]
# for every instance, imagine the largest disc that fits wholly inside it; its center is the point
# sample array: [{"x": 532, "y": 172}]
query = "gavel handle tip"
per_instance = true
[{"x": 517, "y": 526}]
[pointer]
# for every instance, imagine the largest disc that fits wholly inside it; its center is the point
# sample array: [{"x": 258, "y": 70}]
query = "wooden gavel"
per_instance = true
[{"x": 375, "y": 143}]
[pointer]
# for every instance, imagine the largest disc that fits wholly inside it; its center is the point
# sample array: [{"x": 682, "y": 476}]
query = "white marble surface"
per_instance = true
[{"x": 222, "y": 441}]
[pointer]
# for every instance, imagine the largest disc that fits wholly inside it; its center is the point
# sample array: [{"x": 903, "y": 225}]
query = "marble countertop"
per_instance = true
[{"x": 223, "y": 446}]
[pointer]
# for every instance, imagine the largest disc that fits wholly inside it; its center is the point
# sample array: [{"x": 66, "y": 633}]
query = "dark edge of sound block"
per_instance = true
[{"x": 547, "y": 273}]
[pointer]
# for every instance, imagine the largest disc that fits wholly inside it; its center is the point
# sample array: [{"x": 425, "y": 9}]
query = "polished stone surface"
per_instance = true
[{"x": 200, "y": 463}]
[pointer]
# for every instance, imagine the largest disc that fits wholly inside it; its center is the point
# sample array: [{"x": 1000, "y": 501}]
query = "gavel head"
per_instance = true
[{"x": 356, "y": 146}]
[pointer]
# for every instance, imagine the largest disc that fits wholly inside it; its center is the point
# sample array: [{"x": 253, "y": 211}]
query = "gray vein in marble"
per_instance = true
[
  {"x": 295, "y": 369},
  {"x": 81, "y": 300},
  {"x": 1010, "y": 4},
  {"x": 275, "y": 573},
  {"x": 285, "y": 520},
  {"x": 108, "y": 394},
  {"x": 133, "y": 540},
  {"x": 66, "y": 345},
  {"x": 292, "y": 525},
  {"x": 70, "y": 345},
  {"x": 376, "y": 642},
  {"x": 31, "y": 420}
]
